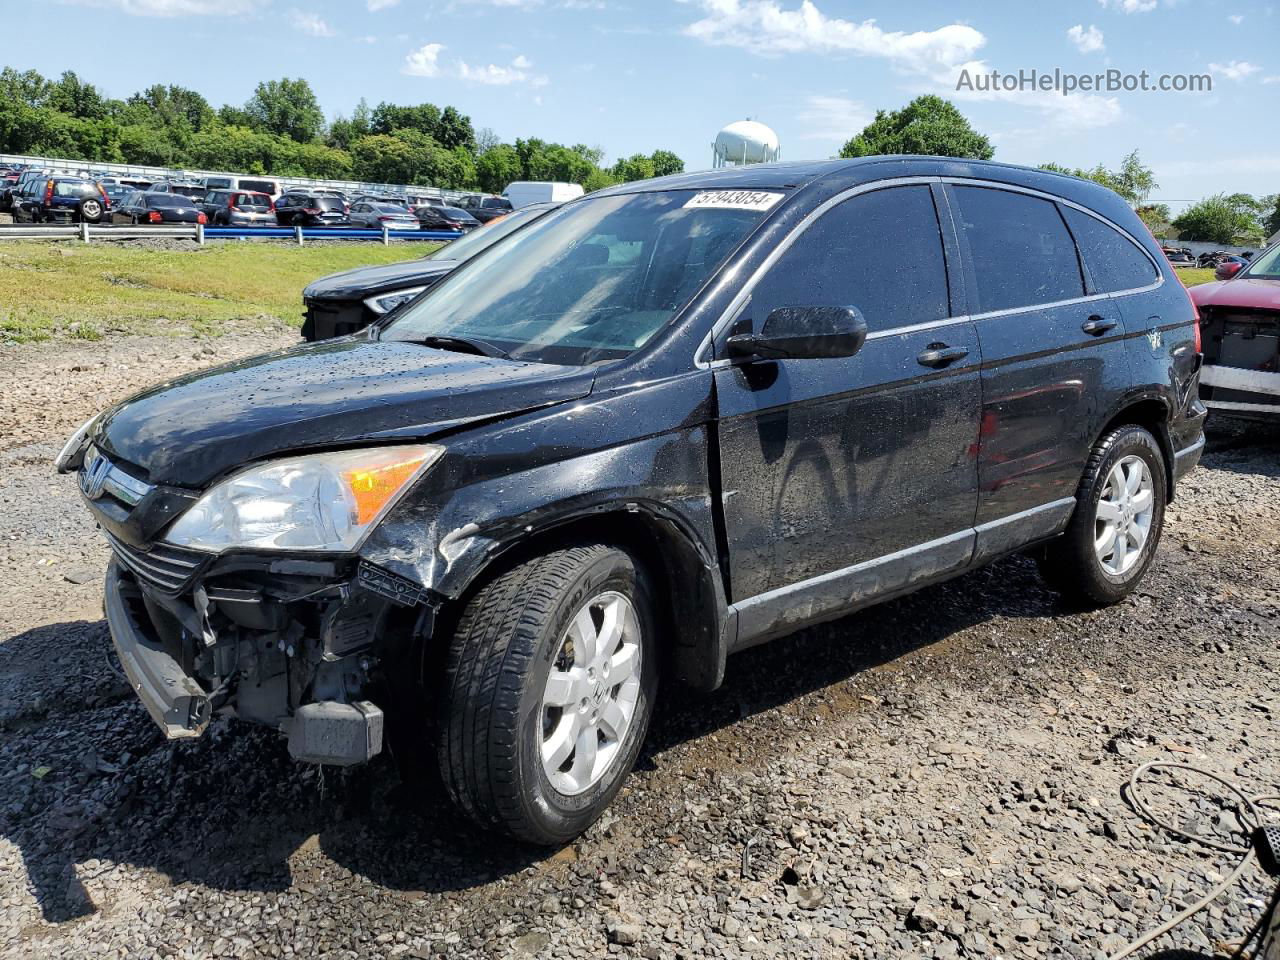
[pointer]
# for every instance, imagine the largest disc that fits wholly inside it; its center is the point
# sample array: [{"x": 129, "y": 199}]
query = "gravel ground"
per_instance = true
[{"x": 937, "y": 777}]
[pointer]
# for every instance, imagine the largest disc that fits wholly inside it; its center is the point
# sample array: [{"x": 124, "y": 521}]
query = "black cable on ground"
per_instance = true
[{"x": 1250, "y": 817}]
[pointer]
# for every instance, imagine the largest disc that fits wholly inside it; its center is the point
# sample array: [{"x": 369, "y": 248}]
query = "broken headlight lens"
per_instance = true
[
  {"x": 386, "y": 302},
  {"x": 323, "y": 501},
  {"x": 71, "y": 449}
]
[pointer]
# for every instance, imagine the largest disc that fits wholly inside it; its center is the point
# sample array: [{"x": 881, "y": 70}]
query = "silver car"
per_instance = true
[
  {"x": 238, "y": 208},
  {"x": 378, "y": 215}
]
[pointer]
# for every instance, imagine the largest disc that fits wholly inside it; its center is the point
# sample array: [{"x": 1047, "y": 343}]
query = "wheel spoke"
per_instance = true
[
  {"x": 1119, "y": 555},
  {"x": 583, "y": 633},
  {"x": 584, "y": 755},
  {"x": 613, "y": 720},
  {"x": 623, "y": 664},
  {"x": 1137, "y": 536},
  {"x": 561, "y": 690},
  {"x": 1108, "y": 511},
  {"x": 557, "y": 747},
  {"x": 1142, "y": 501},
  {"x": 1106, "y": 542},
  {"x": 610, "y": 629},
  {"x": 1133, "y": 478},
  {"x": 1116, "y": 482}
]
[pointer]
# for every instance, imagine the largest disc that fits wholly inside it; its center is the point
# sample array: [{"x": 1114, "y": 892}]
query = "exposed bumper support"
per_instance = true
[
  {"x": 1185, "y": 460},
  {"x": 1238, "y": 378},
  {"x": 176, "y": 702}
]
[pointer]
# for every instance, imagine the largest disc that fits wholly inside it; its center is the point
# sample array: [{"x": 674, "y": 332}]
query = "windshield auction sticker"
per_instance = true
[{"x": 734, "y": 199}]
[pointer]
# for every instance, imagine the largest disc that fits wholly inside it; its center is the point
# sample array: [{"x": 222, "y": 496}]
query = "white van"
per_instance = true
[
  {"x": 521, "y": 193},
  {"x": 251, "y": 184}
]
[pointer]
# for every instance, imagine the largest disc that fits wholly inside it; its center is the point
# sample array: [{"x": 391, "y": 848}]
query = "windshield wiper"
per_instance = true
[{"x": 463, "y": 345}]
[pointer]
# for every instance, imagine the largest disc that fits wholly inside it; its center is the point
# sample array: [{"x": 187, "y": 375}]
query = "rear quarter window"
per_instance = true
[
  {"x": 1115, "y": 263},
  {"x": 1018, "y": 249}
]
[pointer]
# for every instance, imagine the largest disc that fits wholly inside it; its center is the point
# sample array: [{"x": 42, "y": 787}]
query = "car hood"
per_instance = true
[
  {"x": 189, "y": 431},
  {"x": 1252, "y": 292},
  {"x": 363, "y": 281}
]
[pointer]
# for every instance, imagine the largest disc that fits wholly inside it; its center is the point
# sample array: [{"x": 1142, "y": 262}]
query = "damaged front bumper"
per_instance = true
[{"x": 299, "y": 645}]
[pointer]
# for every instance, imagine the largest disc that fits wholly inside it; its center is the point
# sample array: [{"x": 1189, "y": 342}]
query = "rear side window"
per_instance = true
[
  {"x": 880, "y": 252},
  {"x": 1019, "y": 249},
  {"x": 1114, "y": 262}
]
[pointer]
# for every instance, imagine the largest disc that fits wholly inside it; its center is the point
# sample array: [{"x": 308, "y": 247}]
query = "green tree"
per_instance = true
[
  {"x": 344, "y": 132},
  {"x": 454, "y": 130},
  {"x": 1272, "y": 223},
  {"x": 927, "y": 125},
  {"x": 498, "y": 166},
  {"x": 666, "y": 163},
  {"x": 598, "y": 179},
  {"x": 172, "y": 105},
  {"x": 286, "y": 107},
  {"x": 1221, "y": 219},
  {"x": 1154, "y": 215},
  {"x": 1134, "y": 181},
  {"x": 635, "y": 167},
  {"x": 29, "y": 88},
  {"x": 71, "y": 95}
]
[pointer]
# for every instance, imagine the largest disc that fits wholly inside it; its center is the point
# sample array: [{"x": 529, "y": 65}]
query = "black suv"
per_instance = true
[
  {"x": 657, "y": 425},
  {"x": 49, "y": 199},
  {"x": 302, "y": 209}
]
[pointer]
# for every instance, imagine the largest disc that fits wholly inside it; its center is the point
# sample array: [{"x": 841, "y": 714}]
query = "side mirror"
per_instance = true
[{"x": 804, "y": 333}]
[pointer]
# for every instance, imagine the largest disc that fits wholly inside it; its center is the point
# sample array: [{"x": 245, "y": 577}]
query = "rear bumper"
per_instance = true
[{"x": 1186, "y": 459}]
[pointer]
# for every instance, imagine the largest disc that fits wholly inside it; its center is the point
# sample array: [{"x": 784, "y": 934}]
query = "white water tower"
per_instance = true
[{"x": 745, "y": 141}]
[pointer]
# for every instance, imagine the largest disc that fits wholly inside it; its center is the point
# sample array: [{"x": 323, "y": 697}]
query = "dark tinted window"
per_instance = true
[
  {"x": 1113, "y": 260},
  {"x": 1019, "y": 249},
  {"x": 880, "y": 252},
  {"x": 168, "y": 200},
  {"x": 258, "y": 186}
]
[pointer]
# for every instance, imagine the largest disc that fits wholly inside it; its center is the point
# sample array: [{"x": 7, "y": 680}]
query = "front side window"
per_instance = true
[
  {"x": 1265, "y": 267},
  {"x": 1114, "y": 262},
  {"x": 880, "y": 252},
  {"x": 553, "y": 292},
  {"x": 1019, "y": 249}
]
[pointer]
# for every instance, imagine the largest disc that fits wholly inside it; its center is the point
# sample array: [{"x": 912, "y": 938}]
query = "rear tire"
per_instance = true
[
  {"x": 1113, "y": 534},
  {"x": 542, "y": 718}
]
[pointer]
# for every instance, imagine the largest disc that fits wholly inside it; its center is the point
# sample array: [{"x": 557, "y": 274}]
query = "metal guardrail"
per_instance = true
[
  {"x": 153, "y": 173},
  {"x": 198, "y": 232}
]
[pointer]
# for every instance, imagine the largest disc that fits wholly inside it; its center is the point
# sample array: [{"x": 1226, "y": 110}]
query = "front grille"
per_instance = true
[{"x": 167, "y": 568}]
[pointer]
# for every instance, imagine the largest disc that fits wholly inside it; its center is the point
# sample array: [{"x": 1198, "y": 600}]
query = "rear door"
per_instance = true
[
  {"x": 860, "y": 466},
  {"x": 1052, "y": 355}
]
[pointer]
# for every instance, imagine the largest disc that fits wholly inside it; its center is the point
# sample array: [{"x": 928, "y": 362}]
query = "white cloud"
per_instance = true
[
  {"x": 376, "y": 5},
  {"x": 423, "y": 62},
  {"x": 1086, "y": 41},
  {"x": 1236, "y": 70},
  {"x": 1130, "y": 6},
  {"x": 833, "y": 118},
  {"x": 494, "y": 75},
  {"x": 764, "y": 27},
  {"x": 1236, "y": 18},
  {"x": 1271, "y": 79},
  {"x": 369, "y": 38},
  {"x": 311, "y": 24},
  {"x": 171, "y": 8}
]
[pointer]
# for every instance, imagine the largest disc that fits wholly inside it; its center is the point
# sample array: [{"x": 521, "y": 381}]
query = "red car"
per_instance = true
[{"x": 1240, "y": 331}]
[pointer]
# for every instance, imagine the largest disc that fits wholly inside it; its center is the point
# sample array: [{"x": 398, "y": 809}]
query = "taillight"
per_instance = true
[
  {"x": 106, "y": 201},
  {"x": 201, "y": 218},
  {"x": 154, "y": 217},
  {"x": 48, "y": 193}
]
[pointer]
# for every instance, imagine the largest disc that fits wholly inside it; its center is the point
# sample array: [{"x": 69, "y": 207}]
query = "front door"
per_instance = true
[{"x": 863, "y": 464}]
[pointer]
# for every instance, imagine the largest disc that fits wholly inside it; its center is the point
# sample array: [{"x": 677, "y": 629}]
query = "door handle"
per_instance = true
[
  {"x": 939, "y": 355},
  {"x": 1097, "y": 326}
]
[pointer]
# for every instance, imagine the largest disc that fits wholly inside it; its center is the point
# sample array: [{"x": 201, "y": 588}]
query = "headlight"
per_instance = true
[
  {"x": 71, "y": 449},
  {"x": 386, "y": 302},
  {"x": 324, "y": 501}
]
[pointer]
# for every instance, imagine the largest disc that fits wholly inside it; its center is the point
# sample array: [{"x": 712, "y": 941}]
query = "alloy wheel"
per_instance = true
[
  {"x": 1123, "y": 518},
  {"x": 589, "y": 700}
]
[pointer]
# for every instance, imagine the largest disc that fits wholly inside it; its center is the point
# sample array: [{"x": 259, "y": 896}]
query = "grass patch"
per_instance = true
[
  {"x": 54, "y": 290},
  {"x": 1193, "y": 276}
]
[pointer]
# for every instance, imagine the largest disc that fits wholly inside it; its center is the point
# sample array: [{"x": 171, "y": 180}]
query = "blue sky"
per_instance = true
[{"x": 634, "y": 75}]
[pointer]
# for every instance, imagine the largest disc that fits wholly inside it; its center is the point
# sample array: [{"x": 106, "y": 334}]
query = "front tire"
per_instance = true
[
  {"x": 1112, "y": 538},
  {"x": 550, "y": 681}
]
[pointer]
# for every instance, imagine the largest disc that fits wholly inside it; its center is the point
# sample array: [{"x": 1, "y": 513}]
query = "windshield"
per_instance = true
[
  {"x": 187, "y": 191},
  {"x": 485, "y": 237},
  {"x": 592, "y": 281},
  {"x": 326, "y": 203},
  {"x": 1265, "y": 267},
  {"x": 389, "y": 208},
  {"x": 74, "y": 188},
  {"x": 453, "y": 212}
]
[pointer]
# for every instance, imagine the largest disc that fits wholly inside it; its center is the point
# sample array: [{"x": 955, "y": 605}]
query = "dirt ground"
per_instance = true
[{"x": 939, "y": 776}]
